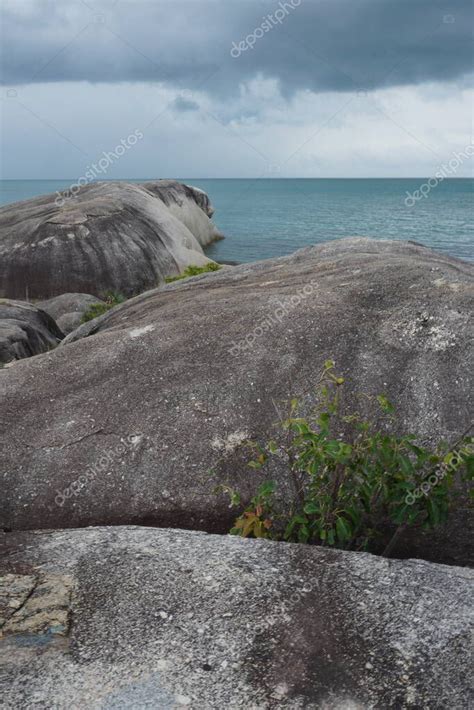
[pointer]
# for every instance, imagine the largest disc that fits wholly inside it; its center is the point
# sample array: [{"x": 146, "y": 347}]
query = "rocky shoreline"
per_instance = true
[{"x": 115, "y": 437}]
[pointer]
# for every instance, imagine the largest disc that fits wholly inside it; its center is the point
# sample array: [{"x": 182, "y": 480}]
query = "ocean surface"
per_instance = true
[{"x": 263, "y": 218}]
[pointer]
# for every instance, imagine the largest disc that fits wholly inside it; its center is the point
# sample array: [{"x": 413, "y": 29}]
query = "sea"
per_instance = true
[{"x": 263, "y": 218}]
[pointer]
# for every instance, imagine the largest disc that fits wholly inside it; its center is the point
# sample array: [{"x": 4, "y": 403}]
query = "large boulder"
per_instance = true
[
  {"x": 140, "y": 420},
  {"x": 25, "y": 330},
  {"x": 68, "y": 309},
  {"x": 108, "y": 237},
  {"x": 140, "y": 618}
]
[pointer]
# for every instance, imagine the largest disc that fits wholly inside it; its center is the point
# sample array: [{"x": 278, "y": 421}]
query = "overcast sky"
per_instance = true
[{"x": 236, "y": 88}]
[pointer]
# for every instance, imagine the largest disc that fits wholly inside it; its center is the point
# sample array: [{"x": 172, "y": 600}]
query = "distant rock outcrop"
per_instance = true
[
  {"x": 25, "y": 331},
  {"x": 124, "y": 426},
  {"x": 110, "y": 237},
  {"x": 68, "y": 309},
  {"x": 129, "y": 617}
]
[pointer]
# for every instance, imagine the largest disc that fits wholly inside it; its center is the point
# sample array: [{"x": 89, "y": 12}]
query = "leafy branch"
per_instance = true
[{"x": 355, "y": 486}]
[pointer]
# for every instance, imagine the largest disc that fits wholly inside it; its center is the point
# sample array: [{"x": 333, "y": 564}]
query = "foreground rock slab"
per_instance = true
[
  {"x": 25, "y": 330},
  {"x": 108, "y": 237},
  {"x": 168, "y": 619},
  {"x": 139, "y": 421}
]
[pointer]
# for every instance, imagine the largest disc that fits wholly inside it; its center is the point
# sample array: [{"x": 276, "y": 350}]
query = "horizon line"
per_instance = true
[{"x": 372, "y": 177}]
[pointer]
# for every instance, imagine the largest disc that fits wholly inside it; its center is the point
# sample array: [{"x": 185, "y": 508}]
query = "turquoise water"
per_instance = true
[{"x": 266, "y": 218}]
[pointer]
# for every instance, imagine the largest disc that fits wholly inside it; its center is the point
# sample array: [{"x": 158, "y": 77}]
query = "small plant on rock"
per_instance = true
[
  {"x": 354, "y": 486},
  {"x": 98, "y": 309},
  {"x": 194, "y": 271}
]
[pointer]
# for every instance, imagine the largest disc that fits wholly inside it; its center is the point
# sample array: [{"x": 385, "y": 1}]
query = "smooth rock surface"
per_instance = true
[
  {"x": 70, "y": 322},
  {"x": 25, "y": 330},
  {"x": 110, "y": 237},
  {"x": 171, "y": 619},
  {"x": 68, "y": 309},
  {"x": 140, "y": 421},
  {"x": 181, "y": 200}
]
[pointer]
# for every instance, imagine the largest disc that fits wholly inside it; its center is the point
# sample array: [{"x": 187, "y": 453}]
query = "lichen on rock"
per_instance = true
[{"x": 35, "y": 604}]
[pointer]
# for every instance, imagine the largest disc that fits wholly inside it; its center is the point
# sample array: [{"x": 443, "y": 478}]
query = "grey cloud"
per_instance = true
[
  {"x": 321, "y": 45},
  {"x": 182, "y": 105}
]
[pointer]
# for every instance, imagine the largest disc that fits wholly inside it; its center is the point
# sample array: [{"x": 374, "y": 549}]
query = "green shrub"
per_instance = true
[
  {"x": 194, "y": 271},
  {"x": 98, "y": 309},
  {"x": 354, "y": 486}
]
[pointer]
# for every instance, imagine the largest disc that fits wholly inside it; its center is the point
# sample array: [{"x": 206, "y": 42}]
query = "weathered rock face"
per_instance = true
[
  {"x": 68, "y": 309},
  {"x": 181, "y": 200},
  {"x": 25, "y": 331},
  {"x": 124, "y": 426},
  {"x": 111, "y": 236},
  {"x": 169, "y": 619}
]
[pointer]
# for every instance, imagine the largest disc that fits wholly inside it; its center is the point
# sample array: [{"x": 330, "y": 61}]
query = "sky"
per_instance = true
[{"x": 235, "y": 88}]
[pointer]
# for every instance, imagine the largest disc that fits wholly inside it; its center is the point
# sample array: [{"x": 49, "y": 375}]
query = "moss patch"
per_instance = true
[
  {"x": 194, "y": 271},
  {"x": 98, "y": 309}
]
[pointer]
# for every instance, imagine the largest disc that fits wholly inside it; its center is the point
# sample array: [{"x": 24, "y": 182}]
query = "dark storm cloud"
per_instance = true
[{"x": 321, "y": 45}]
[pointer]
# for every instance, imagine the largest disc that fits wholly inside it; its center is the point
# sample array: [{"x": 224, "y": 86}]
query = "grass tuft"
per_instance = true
[
  {"x": 194, "y": 271},
  {"x": 98, "y": 309}
]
